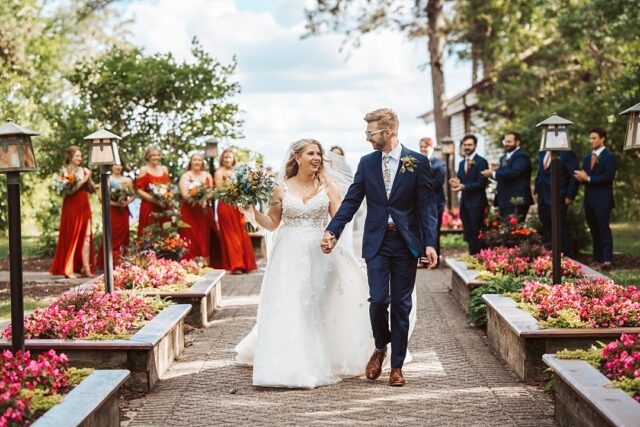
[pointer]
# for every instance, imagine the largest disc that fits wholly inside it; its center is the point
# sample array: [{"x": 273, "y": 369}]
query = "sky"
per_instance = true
[{"x": 294, "y": 88}]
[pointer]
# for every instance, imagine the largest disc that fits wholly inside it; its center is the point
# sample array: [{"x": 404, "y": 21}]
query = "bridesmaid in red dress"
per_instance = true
[
  {"x": 119, "y": 218},
  {"x": 74, "y": 251},
  {"x": 237, "y": 252},
  {"x": 199, "y": 216},
  {"x": 151, "y": 173}
]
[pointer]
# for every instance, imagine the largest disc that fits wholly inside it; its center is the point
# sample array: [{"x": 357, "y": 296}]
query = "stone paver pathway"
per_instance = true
[{"x": 455, "y": 379}]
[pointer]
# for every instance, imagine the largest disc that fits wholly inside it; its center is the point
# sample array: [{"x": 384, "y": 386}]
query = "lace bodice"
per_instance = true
[{"x": 313, "y": 214}]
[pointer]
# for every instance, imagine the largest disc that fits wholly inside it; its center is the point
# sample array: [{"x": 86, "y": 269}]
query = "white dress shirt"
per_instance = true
[{"x": 394, "y": 163}]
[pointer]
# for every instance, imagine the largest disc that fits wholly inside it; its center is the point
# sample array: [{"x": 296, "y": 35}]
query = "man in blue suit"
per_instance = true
[
  {"x": 513, "y": 175},
  {"x": 472, "y": 184},
  {"x": 599, "y": 171},
  {"x": 399, "y": 228},
  {"x": 439, "y": 175},
  {"x": 568, "y": 190}
]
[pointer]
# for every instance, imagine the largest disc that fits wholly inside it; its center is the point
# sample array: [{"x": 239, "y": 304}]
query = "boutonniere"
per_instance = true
[
  {"x": 597, "y": 159},
  {"x": 505, "y": 161},
  {"x": 408, "y": 163},
  {"x": 472, "y": 163}
]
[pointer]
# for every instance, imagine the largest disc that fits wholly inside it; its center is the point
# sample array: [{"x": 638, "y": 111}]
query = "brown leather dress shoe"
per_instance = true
[
  {"x": 396, "y": 378},
  {"x": 374, "y": 366}
]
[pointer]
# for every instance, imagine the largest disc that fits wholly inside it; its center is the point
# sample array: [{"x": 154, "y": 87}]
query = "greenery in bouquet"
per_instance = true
[
  {"x": 163, "y": 194},
  {"x": 247, "y": 185},
  {"x": 199, "y": 194},
  {"x": 507, "y": 232},
  {"x": 66, "y": 182},
  {"x": 122, "y": 193}
]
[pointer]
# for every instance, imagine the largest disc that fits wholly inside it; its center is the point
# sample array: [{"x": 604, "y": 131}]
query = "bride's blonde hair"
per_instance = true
[{"x": 291, "y": 168}]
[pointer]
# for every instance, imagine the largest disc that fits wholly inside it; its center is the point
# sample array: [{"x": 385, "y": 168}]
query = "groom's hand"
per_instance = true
[
  {"x": 431, "y": 257},
  {"x": 328, "y": 242}
]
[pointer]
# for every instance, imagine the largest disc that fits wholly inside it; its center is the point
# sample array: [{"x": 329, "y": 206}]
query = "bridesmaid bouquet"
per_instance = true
[
  {"x": 163, "y": 194},
  {"x": 122, "y": 193},
  {"x": 246, "y": 186},
  {"x": 199, "y": 194},
  {"x": 65, "y": 183}
]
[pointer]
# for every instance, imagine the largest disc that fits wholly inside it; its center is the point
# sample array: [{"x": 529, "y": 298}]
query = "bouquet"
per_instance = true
[
  {"x": 65, "y": 183},
  {"x": 246, "y": 186},
  {"x": 122, "y": 193},
  {"x": 163, "y": 194},
  {"x": 199, "y": 194}
]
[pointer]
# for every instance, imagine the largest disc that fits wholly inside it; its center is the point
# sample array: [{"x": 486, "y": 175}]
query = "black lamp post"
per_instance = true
[
  {"x": 555, "y": 138},
  {"x": 448, "y": 148},
  {"x": 103, "y": 152},
  {"x": 632, "y": 137},
  {"x": 16, "y": 155},
  {"x": 211, "y": 152}
]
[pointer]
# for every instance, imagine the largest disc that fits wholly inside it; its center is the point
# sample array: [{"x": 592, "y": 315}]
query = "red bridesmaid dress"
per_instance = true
[
  {"x": 237, "y": 251},
  {"x": 201, "y": 225},
  {"x": 74, "y": 220},
  {"x": 148, "y": 208},
  {"x": 119, "y": 233}
]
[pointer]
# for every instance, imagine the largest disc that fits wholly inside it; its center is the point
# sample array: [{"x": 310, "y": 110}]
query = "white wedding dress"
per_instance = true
[{"x": 313, "y": 325}]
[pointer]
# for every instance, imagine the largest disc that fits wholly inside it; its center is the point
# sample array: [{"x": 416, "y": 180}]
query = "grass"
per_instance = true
[
  {"x": 452, "y": 241},
  {"x": 626, "y": 238},
  {"x": 625, "y": 277},
  {"x": 29, "y": 247},
  {"x": 30, "y": 304}
]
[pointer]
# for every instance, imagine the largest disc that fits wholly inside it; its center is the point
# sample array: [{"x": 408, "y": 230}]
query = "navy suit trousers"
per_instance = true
[
  {"x": 472, "y": 223},
  {"x": 392, "y": 275},
  {"x": 598, "y": 221},
  {"x": 544, "y": 214}
]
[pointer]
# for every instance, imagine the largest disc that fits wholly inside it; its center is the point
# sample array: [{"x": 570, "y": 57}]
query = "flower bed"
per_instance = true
[
  {"x": 90, "y": 315},
  {"x": 147, "y": 271},
  {"x": 596, "y": 303},
  {"x": 30, "y": 387},
  {"x": 499, "y": 270},
  {"x": 585, "y": 397}
]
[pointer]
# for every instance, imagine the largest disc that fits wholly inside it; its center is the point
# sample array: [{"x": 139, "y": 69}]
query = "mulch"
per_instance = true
[
  {"x": 38, "y": 290},
  {"x": 29, "y": 264}
]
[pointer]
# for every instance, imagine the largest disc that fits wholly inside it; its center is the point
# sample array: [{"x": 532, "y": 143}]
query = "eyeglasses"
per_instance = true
[{"x": 369, "y": 134}]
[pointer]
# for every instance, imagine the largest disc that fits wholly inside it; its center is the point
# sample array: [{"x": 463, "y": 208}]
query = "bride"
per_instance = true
[{"x": 312, "y": 326}]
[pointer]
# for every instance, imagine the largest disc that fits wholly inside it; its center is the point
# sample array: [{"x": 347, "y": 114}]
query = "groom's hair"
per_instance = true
[{"x": 386, "y": 118}]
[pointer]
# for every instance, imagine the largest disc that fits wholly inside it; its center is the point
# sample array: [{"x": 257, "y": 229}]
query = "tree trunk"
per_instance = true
[{"x": 437, "y": 38}]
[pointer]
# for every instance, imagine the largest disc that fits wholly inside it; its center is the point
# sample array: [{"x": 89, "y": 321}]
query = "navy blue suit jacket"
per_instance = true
[
  {"x": 474, "y": 194},
  {"x": 411, "y": 204},
  {"x": 568, "y": 184},
  {"x": 439, "y": 174},
  {"x": 514, "y": 179},
  {"x": 599, "y": 190}
]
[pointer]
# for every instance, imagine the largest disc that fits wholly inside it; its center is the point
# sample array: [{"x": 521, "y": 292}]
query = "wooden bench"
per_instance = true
[
  {"x": 147, "y": 354},
  {"x": 519, "y": 340},
  {"x": 586, "y": 398},
  {"x": 93, "y": 402}
]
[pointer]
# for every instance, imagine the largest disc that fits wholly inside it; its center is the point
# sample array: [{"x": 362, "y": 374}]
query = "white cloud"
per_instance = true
[{"x": 293, "y": 88}]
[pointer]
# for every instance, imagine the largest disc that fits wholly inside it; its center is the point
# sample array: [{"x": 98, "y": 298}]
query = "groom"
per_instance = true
[{"x": 399, "y": 228}]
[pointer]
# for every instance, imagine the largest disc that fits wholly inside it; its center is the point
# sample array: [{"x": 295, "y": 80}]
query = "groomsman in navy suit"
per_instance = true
[
  {"x": 472, "y": 185},
  {"x": 599, "y": 171},
  {"x": 513, "y": 175},
  {"x": 439, "y": 175},
  {"x": 568, "y": 190}
]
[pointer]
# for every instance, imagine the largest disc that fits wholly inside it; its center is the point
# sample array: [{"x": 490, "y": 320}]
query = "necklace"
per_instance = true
[{"x": 305, "y": 186}]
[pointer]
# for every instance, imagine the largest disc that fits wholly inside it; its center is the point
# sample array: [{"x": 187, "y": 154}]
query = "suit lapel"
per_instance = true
[
  {"x": 398, "y": 177},
  {"x": 379, "y": 179}
]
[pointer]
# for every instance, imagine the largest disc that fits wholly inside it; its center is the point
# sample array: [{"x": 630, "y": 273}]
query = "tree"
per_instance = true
[
  {"x": 416, "y": 19},
  {"x": 578, "y": 59},
  {"x": 148, "y": 100}
]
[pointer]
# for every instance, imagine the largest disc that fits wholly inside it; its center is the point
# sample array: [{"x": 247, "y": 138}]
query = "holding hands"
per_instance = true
[
  {"x": 328, "y": 242},
  {"x": 456, "y": 185}
]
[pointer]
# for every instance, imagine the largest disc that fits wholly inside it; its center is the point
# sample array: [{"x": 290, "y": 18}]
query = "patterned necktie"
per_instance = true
[
  {"x": 386, "y": 173},
  {"x": 466, "y": 165},
  {"x": 547, "y": 160},
  {"x": 594, "y": 159}
]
